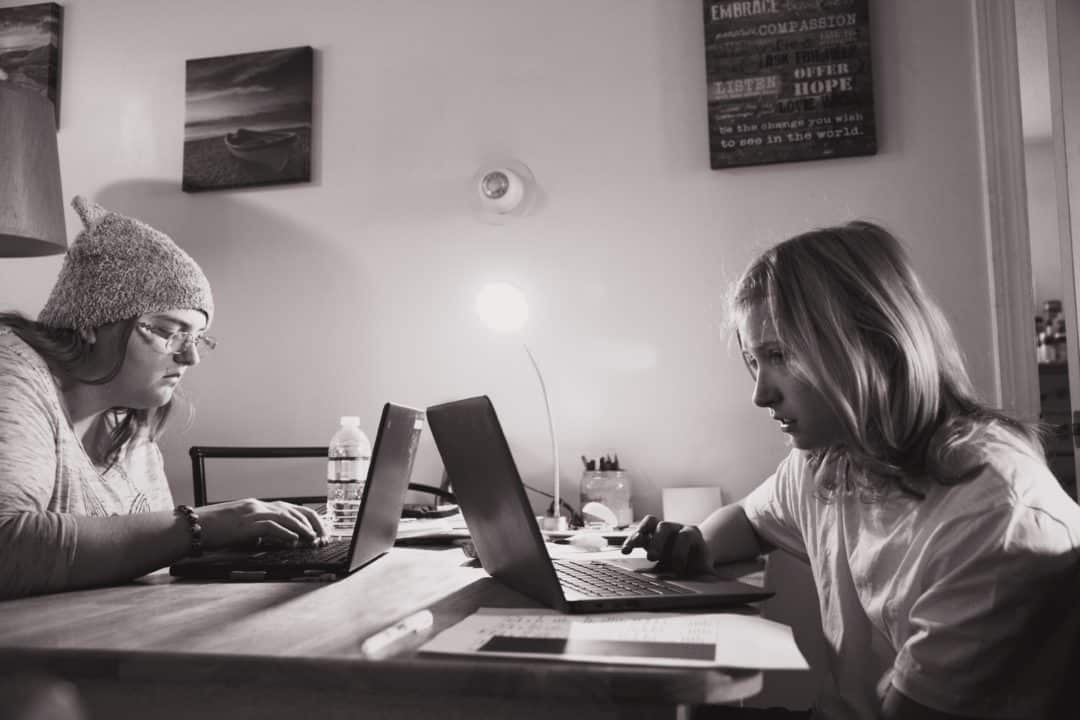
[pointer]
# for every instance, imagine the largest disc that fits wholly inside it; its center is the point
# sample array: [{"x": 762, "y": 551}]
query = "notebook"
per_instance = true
[
  {"x": 507, "y": 538},
  {"x": 376, "y": 522}
]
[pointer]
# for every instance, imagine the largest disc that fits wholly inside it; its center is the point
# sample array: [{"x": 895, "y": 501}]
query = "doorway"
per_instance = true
[{"x": 1053, "y": 308}]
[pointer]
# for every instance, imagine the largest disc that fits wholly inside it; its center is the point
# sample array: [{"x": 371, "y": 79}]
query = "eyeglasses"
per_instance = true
[{"x": 179, "y": 341}]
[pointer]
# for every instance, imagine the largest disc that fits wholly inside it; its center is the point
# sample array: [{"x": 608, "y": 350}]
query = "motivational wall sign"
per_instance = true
[{"x": 788, "y": 80}]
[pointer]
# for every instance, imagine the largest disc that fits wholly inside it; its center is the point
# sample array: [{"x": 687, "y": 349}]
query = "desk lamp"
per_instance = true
[
  {"x": 502, "y": 307},
  {"x": 31, "y": 200}
]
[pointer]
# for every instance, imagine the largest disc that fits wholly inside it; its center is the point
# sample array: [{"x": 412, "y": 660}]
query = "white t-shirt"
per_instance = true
[
  {"x": 46, "y": 477},
  {"x": 935, "y": 596}
]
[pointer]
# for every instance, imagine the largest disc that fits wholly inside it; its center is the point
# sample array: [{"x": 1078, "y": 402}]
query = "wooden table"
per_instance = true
[{"x": 161, "y": 649}]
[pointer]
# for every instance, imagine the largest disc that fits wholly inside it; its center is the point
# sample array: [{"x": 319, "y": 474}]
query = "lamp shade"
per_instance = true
[{"x": 31, "y": 199}]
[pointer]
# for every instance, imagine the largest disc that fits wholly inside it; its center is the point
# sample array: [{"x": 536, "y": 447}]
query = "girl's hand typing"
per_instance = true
[
  {"x": 676, "y": 548},
  {"x": 248, "y": 520}
]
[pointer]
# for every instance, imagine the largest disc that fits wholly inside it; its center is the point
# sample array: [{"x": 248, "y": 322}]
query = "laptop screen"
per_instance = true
[
  {"x": 488, "y": 488},
  {"x": 387, "y": 482}
]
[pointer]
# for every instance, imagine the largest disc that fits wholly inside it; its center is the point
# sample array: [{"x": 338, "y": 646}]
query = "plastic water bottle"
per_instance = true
[{"x": 346, "y": 472}]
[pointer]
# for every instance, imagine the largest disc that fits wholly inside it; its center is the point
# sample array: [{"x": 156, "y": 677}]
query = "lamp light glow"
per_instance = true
[{"x": 503, "y": 308}]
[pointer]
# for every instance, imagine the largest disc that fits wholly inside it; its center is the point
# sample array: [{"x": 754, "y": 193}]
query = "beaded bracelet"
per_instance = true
[{"x": 194, "y": 526}]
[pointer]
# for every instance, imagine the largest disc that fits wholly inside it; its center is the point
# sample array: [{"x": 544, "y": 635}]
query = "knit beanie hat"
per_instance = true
[{"x": 119, "y": 267}]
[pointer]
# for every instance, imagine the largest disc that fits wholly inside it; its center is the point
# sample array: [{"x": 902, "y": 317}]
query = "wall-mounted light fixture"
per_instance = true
[{"x": 503, "y": 190}]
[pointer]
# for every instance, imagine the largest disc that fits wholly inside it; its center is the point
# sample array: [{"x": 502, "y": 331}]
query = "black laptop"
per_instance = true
[
  {"x": 508, "y": 540},
  {"x": 376, "y": 522}
]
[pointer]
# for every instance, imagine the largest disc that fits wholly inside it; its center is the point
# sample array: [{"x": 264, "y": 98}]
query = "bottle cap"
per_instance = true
[{"x": 350, "y": 420}]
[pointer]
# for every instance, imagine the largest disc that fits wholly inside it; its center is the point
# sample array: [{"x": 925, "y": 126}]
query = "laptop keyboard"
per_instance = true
[
  {"x": 598, "y": 579},
  {"x": 333, "y": 552}
]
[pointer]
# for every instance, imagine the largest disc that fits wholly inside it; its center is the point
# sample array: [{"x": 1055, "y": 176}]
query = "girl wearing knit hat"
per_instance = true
[{"x": 84, "y": 393}]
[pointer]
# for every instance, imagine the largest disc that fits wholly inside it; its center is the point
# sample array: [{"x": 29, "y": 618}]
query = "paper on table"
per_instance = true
[
  {"x": 668, "y": 639},
  {"x": 452, "y": 526},
  {"x": 608, "y": 554}
]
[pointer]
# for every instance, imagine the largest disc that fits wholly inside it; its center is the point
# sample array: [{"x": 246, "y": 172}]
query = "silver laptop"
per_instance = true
[
  {"x": 508, "y": 542},
  {"x": 376, "y": 521}
]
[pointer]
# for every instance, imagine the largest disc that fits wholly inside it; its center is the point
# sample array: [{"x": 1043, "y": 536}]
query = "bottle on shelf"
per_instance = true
[
  {"x": 1050, "y": 337},
  {"x": 1060, "y": 354},
  {"x": 348, "y": 457},
  {"x": 1043, "y": 349},
  {"x": 1051, "y": 311}
]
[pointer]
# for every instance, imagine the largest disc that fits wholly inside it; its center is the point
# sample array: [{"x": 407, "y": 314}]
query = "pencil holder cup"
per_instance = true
[{"x": 611, "y": 489}]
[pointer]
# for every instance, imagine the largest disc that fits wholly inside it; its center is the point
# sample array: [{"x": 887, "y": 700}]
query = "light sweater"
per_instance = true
[
  {"x": 940, "y": 597},
  {"x": 47, "y": 478}
]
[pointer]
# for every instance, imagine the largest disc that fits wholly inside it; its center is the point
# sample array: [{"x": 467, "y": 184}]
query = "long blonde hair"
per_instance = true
[{"x": 857, "y": 323}]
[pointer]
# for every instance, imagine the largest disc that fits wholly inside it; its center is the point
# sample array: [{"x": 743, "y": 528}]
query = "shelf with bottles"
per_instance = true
[{"x": 1050, "y": 342}]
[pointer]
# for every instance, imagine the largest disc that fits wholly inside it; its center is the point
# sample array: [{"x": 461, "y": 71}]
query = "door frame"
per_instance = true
[
  {"x": 1005, "y": 215},
  {"x": 1063, "y": 21}
]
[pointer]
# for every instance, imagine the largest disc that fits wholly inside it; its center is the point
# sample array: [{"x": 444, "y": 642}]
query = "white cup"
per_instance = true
[{"x": 690, "y": 505}]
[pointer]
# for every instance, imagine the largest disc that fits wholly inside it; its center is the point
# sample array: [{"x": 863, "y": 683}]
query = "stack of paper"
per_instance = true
[{"x": 431, "y": 530}]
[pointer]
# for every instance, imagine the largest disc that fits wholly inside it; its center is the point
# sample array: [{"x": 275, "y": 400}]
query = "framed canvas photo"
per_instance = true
[
  {"x": 788, "y": 80},
  {"x": 30, "y": 49},
  {"x": 248, "y": 120}
]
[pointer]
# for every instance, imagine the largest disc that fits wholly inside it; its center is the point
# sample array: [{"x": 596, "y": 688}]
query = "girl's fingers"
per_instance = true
[
  {"x": 292, "y": 517},
  {"x": 641, "y": 535},
  {"x": 314, "y": 520},
  {"x": 659, "y": 549},
  {"x": 270, "y": 530},
  {"x": 686, "y": 551}
]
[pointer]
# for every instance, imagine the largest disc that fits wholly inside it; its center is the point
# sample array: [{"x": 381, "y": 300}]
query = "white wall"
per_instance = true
[{"x": 337, "y": 295}]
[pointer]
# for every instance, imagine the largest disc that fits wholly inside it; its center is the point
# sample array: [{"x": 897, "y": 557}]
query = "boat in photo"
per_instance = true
[{"x": 269, "y": 148}]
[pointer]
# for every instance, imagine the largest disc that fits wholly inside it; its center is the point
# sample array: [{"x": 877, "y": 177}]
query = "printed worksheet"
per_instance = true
[{"x": 676, "y": 639}]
